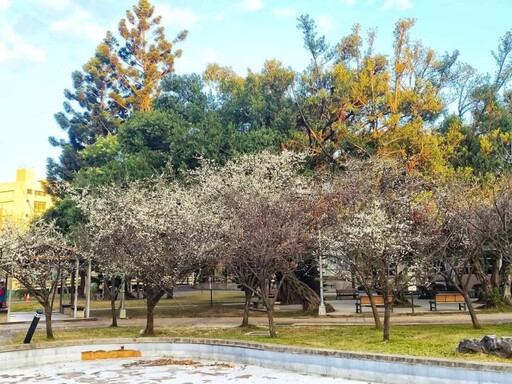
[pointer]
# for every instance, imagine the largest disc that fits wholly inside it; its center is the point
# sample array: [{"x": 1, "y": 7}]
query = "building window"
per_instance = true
[
  {"x": 29, "y": 191},
  {"x": 40, "y": 193},
  {"x": 39, "y": 206},
  {"x": 392, "y": 269}
]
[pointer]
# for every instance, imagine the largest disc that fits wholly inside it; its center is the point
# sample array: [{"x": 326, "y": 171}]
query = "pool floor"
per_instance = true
[{"x": 159, "y": 370}]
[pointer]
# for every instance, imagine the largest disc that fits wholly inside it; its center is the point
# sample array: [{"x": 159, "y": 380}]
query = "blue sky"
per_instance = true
[{"x": 43, "y": 41}]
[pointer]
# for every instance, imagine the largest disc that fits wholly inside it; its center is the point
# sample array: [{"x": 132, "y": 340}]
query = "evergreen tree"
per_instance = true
[
  {"x": 118, "y": 80},
  {"x": 144, "y": 59},
  {"x": 88, "y": 114}
]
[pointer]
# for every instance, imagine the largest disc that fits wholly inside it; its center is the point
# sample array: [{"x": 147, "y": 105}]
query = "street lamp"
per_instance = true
[{"x": 321, "y": 307}]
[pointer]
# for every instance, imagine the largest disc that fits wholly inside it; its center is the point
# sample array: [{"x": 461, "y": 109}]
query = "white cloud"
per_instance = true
[
  {"x": 79, "y": 24},
  {"x": 4, "y": 4},
  {"x": 324, "y": 23},
  {"x": 195, "y": 61},
  {"x": 14, "y": 48},
  {"x": 349, "y": 2},
  {"x": 177, "y": 18},
  {"x": 402, "y": 4},
  {"x": 219, "y": 17},
  {"x": 251, "y": 5},
  {"x": 57, "y": 5},
  {"x": 209, "y": 55},
  {"x": 285, "y": 12}
]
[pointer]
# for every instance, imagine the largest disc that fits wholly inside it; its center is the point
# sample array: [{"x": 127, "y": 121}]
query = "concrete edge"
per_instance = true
[
  {"x": 7, "y": 325},
  {"x": 400, "y": 359}
]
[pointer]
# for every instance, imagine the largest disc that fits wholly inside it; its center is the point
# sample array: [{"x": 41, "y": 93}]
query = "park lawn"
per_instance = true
[
  {"x": 163, "y": 311},
  {"x": 181, "y": 302},
  {"x": 193, "y": 304},
  {"x": 435, "y": 341}
]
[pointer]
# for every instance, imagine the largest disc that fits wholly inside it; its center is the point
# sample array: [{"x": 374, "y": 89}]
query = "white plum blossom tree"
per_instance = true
[
  {"x": 376, "y": 234},
  {"x": 458, "y": 243},
  {"x": 38, "y": 257},
  {"x": 157, "y": 232},
  {"x": 270, "y": 214}
]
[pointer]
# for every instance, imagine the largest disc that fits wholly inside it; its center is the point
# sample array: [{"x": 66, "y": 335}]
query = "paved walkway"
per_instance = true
[{"x": 344, "y": 314}]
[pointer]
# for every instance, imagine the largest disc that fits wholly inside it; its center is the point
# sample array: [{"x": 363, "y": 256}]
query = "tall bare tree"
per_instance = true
[{"x": 456, "y": 250}]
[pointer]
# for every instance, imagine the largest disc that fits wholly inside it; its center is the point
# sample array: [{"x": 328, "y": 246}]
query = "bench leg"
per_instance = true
[
  {"x": 433, "y": 306},
  {"x": 462, "y": 306},
  {"x": 359, "y": 308}
]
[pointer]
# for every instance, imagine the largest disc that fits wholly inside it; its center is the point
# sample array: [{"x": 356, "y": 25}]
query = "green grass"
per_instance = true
[
  {"x": 438, "y": 341},
  {"x": 22, "y": 306},
  {"x": 195, "y": 304},
  {"x": 423, "y": 340}
]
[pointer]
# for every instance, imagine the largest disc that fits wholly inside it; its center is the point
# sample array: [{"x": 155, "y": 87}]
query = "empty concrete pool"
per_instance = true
[{"x": 186, "y": 361}]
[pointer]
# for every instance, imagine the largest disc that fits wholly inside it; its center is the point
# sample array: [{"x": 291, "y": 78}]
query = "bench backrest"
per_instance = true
[
  {"x": 449, "y": 297},
  {"x": 377, "y": 299}
]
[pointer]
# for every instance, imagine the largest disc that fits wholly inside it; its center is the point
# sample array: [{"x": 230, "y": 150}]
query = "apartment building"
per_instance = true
[{"x": 23, "y": 199}]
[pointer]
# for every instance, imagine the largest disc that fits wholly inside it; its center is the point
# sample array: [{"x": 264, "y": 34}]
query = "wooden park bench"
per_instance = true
[
  {"x": 448, "y": 298},
  {"x": 345, "y": 292},
  {"x": 365, "y": 300}
]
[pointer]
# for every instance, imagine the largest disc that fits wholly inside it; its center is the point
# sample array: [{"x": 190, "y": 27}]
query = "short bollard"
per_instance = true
[{"x": 33, "y": 326}]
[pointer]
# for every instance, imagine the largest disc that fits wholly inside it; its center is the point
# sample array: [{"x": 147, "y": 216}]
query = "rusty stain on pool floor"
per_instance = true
[{"x": 122, "y": 371}]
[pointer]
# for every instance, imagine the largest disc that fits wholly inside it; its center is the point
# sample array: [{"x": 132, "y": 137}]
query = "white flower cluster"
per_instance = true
[
  {"x": 38, "y": 257},
  {"x": 155, "y": 232}
]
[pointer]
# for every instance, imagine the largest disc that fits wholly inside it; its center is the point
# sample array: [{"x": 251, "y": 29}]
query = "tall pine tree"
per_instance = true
[{"x": 122, "y": 77}]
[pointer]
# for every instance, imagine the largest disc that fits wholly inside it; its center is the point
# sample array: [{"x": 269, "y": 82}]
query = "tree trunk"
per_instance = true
[
  {"x": 495, "y": 276},
  {"x": 375, "y": 312},
  {"x": 153, "y": 297},
  {"x": 247, "y": 306},
  {"x": 506, "y": 296},
  {"x": 487, "y": 286},
  {"x": 401, "y": 297},
  {"x": 271, "y": 325},
  {"x": 73, "y": 288},
  {"x": 269, "y": 306},
  {"x": 295, "y": 291},
  {"x": 110, "y": 292},
  {"x": 48, "y": 320},
  {"x": 387, "y": 317},
  {"x": 471, "y": 309},
  {"x": 81, "y": 287},
  {"x": 113, "y": 310},
  {"x": 150, "y": 318},
  {"x": 505, "y": 281}
]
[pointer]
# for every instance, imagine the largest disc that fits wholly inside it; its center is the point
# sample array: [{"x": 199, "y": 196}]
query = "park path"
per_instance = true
[
  {"x": 7, "y": 330},
  {"x": 344, "y": 315}
]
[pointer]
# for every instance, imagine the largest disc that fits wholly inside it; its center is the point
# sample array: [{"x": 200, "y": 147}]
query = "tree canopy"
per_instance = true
[{"x": 382, "y": 137}]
